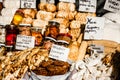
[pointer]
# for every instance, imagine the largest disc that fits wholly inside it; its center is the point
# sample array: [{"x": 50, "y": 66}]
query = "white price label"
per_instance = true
[
  {"x": 28, "y": 4},
  {"x": 1, "y": 0},
  {"x": 87, "y": 5},
  {"x": 48, "y": 1},
  {"x": 97, "y": 48},
  {"x": 59, "y": 52},
  {"x": 24, "y": 42},
  {"x": 112, "y": 5},
  {"x": 72, "y": 1},
  {"x": 94, "y": 28}
]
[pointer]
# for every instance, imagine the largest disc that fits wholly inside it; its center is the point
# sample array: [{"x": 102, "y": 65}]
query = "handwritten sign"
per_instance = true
[
  {"x": 48, "y": 1},
  {"x": 28, "y": 3},
  {"x": 59, "y": 52},
  {"x": 72, "y": 1},
  {"x": 87, "y": 5},
  {"x": 112, "y": 5},
  {"x": 24, "y": 42},
  {"x": 97, "y": 48},
  {"x": 94, "y": 28}
]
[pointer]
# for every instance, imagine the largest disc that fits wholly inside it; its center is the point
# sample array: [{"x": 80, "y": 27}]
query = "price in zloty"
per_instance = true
[
  {"x": 94, "y": 28},
  {"x": 72, "y": 1},
  {"x": 48, "y": 1},
  {"x": 112, "y": 5},
  {"x": 97, "y": 48},
  {"x": 24, "y": 42},
  {"x": 28, "y": 3},
  {"x": 87, "y": 5},
  {"x": 59, "y": 52}
]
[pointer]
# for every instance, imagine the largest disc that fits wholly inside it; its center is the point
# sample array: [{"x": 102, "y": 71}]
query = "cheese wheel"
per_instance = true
[
  {"x": 64, "y": 23},
  {"x": 66, "y": 6},
  {"x": 75, "y": 24},
  {"x": 44, "y": 15}
]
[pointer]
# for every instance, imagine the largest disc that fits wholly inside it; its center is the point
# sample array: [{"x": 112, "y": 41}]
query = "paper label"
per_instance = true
[
  {"x": 112, "y": 5},
  {"x": 97, "y": 48},
  {"x": 1, "y": 0},
  {"x": 59, "y": 52},
  {"x": 28, "y": 3},
  {"x": 24, "y": 42},
  {"x": 72, "y": 1},
  {"x": 87, "y": 5},
  {"x": 94, "y": 28},
  {"x": 48, "y": 1},
  {"x": 2, "y": 34}
]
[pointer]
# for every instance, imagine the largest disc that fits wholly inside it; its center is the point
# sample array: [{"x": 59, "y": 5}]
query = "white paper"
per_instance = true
[
  {"x": 28, "y": 3},
  {"x": 97, "y": 48},
  {"x": 112, "y": 5},
  {"x": 59, "y": 52},
  {"x": 48, "y": 1},
  {"x": 94, "y": 28},
  {"x": 1, "y": 0},
  {"x": 24, "y": 42},
  {"x": 43, "y": 1},
  {"x": 72, "y": 1},
  {"x": 87, "y": 5}
]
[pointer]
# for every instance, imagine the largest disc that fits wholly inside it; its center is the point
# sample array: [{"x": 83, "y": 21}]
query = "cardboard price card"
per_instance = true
[
  {"x": 94, "y": 28},
  {"x": 24, "y": 42},
  {"x": 51, "y": 1},
  {"x": 28, "y": 3},
  {"x": 112, "y": 5},
  {"x": 87, "y": 5},
  {"x": 97, "y": 48},
  {"x": 47, "y": 1},
  {"x": 72, "y": 1},
  {"x": 59, "y": 52}
]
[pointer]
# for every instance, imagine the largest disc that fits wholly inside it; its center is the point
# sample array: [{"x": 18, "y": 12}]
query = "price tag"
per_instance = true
[
  {"x": 28, "y": 3},
  {"x": 72, "y": 1},
  {"x": 87, "y": 5},
  {"x": 1, "y": 0},
  {"x": 24, "y": 42},
  {"x": 94, "y": 28},
  {"x": 59, "y": 52},
  {"x": 112, "y": 5},
  {"x": 97, "y": 48},
  {"x": 48, "y": 1}
]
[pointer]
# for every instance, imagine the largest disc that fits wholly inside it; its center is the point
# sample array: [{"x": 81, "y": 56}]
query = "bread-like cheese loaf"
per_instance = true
[
  {"x": 82, "y": 50},
  {"x": 44, "y": 15},
  {"x": 66, "y": 6}
]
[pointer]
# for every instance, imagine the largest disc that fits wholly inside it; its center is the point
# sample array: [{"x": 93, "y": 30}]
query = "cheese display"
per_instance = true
[{"x": 46, "y": 40}]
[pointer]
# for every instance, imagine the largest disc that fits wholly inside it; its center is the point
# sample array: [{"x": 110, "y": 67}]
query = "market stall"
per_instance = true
[{"x": 59, "y": 39}]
